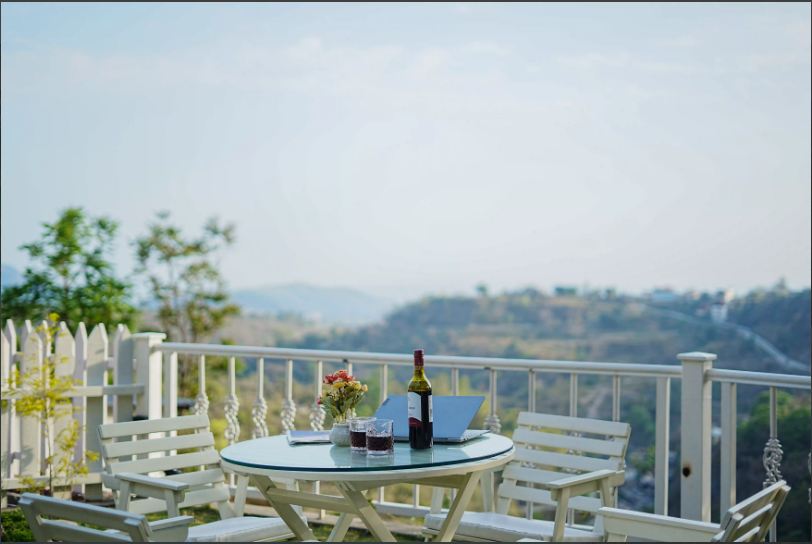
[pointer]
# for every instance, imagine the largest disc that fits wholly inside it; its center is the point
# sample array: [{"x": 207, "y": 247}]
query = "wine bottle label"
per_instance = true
[{"x": 415, "y": 401}]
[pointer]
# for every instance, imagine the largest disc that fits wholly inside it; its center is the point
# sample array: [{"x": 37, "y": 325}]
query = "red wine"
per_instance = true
[
  {"x": 358, "y": 439},
  {"x": 380, "y": 443},
  {"x": 421, "y": 420}
]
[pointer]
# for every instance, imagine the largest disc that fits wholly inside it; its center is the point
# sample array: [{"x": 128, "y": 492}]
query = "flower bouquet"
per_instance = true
[{"x": 341, "y": 393}]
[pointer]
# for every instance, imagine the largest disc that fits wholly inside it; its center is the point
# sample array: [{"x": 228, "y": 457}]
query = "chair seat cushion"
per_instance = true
[
  {"x": 502, "y": 527},
  {"x": 241, "y": 529}
]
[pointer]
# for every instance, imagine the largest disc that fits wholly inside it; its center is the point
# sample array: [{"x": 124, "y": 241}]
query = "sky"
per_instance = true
[{"x": 423, "y": 148}]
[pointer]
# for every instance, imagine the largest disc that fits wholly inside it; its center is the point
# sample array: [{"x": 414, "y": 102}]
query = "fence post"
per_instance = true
[
  {"x": 95, "y": 406},
  {"x": 148, "y": 372},
  {"x": 7, "y": 422},
  {"x": 695, "y": 436}
]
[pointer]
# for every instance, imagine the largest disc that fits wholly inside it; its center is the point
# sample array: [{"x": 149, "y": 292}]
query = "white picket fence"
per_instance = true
[{"x": 89, "y": 360}]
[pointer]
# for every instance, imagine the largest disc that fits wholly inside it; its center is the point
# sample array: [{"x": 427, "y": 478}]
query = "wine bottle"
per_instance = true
[{"x": 421, "y": 432}]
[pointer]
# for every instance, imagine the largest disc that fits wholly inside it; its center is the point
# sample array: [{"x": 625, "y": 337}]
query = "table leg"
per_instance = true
[
  {"x": 454, "y": 516},
  {"x": 340, "y": 528},
  {"x": 285, "y": 511},
  {"x": 240, "y": 495},
  {"x": 366, "y": 512}
]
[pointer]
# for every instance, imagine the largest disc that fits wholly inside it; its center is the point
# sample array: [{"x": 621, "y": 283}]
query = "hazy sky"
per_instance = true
[{"x": 411, "y": 148}]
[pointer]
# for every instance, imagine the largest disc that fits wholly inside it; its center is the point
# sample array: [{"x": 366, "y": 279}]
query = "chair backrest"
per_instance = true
[
  {"x": 549, "y": 447},
  {"x": 749, "y": 520},
  {"x": 39, "y": 511},
  {"x": 180, "y": 443}
]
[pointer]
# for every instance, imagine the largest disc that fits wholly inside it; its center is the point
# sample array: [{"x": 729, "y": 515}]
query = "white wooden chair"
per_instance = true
[
  {"x": 57, "y": 519},
  {"x": 748, "y": 521},
  {"x": 133, "y": 450},
  {"x": 559, "y": 460}
]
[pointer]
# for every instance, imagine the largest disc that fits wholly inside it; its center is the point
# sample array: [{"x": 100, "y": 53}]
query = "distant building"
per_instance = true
[
  {"x": 725, "y": 295},
  {"x": 565, "y": 291},
  {"x": 663, "y": 295},
  {"x": 718, "y": 312}
]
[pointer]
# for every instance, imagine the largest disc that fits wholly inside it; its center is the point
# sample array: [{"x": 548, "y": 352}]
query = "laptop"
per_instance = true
[{"x": 452, "y": 415}]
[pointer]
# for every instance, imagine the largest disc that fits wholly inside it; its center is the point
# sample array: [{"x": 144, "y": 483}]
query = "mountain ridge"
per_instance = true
[{"x": 340, "y": 305}]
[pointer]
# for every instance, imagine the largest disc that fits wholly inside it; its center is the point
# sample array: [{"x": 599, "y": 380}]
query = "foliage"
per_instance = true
[
  {"x": 342, "y": 393},
  {"x": 71, "y": 275},
  {"x": 185, "y": 282},
  {"x": 184, "y": 279},
  {"x": 15, "y": 527},
  {"x": 45, "y": 396},
  {"x": 790, "y": 333},
  {"x": 793, "y": 431}
]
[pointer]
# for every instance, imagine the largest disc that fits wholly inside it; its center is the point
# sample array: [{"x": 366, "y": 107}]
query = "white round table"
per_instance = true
[{"x": 456, "y": 466}]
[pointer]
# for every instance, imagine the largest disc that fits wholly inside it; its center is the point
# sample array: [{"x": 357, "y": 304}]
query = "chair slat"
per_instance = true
[
  {"x": 192, "y": 498},
  {"x": 131, "y": 428},
  {"x": 576, "y": 424},
  {"x": 748, "y": 536},
  {"x": 577, "y": 443},
  {"x": 532, "y": 475},
  {"x": 542, "y": 496},
  {"x": 564, "y": 460},
  {"x": 754, "y": 520},
  {"x": 199, "y": 477},
  {"x": 145, "y": 466},
  {"x": 67, "y": 532},
  {"x": 136, "y": 447}
]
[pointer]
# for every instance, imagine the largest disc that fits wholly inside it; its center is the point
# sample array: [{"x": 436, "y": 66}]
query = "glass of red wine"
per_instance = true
[
  {"x": 358, "y": 433},
  {"x": 379, "y": 437}
]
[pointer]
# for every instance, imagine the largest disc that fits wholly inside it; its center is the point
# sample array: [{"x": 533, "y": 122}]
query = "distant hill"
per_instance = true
[
  {"x": 338, "y": 305},
  {"x": 9, "y": 276}
]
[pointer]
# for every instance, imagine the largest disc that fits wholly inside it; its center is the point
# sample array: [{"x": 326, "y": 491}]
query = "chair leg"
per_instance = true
[
  {"x": 123, "y": 498},
  {"x": 563, "y": 500}
]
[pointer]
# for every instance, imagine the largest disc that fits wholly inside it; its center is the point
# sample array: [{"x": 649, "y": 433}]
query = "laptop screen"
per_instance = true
[{"x": 452, "y": 414}]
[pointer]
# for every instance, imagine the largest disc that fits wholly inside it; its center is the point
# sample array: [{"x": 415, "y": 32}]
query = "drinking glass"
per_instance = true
[
  {"x": 358, "y": 432},
  {"x": 379, "y": 437}
]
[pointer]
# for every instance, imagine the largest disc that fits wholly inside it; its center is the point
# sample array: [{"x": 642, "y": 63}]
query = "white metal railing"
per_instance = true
[
  {"x": 696, "y": 370},
  {"x": 151, "y": 365}
]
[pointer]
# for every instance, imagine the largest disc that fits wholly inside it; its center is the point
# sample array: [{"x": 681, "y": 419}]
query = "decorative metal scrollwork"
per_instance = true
[
  {"x": 317, "y": 416},
  {"x": 773, "y": 455},
  {"x": 258, "y": 413},
  {"x": 233, "y": 423},
  {"x": 288, "y": 415},
  {"x": 493, "y": 423},
  {"x": 201, "y": 406}
]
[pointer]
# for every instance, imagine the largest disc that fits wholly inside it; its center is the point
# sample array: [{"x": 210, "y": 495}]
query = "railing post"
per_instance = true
[
  {"x": 695, "y": 436},
  {"x": 492, "y": 421},
  {"x": 170, "y": 385},
  {"x": 260, "y": 408},
  {"x": 232, "y": 406},
  {"x": 317, "y": 413},
  {"x": 202, "y": 400},
  {"x": 727, "y": 484},
  {"x": 662, "y": 447},
  {"x": 148, "y": 373},
  {"x": 773, "y": 454},
  {"x": 288, "y": 405}
]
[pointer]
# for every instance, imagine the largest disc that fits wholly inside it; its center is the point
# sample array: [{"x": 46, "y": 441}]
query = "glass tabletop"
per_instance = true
[{"x": 274, "y": 452}]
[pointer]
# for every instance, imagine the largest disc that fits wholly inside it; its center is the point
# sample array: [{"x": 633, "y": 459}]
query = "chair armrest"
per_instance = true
[
  {"x": 656, "y": 527},
  {"x": 158, "y": 483},
  {"x": 588, "y": 477},
  {"x": 171, "y": 491},
  {"x": 172, "y": 529}
]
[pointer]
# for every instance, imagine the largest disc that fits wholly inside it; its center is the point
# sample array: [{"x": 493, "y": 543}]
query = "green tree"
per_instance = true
[
  {"x": 793, "y": 431},
  {"x": 71, "y": 275},
  {"x": 185, "y": 282}
]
